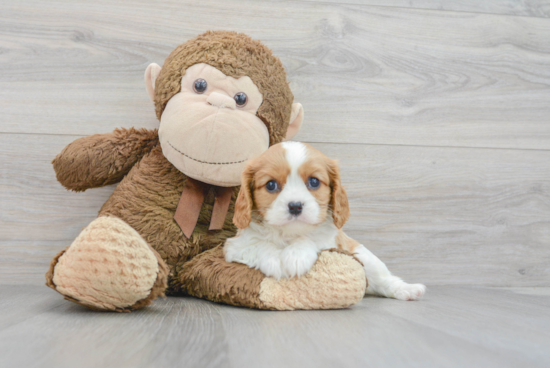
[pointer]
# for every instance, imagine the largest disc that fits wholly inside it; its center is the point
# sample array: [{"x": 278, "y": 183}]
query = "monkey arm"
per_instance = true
[{"x": 102, "y": 159}]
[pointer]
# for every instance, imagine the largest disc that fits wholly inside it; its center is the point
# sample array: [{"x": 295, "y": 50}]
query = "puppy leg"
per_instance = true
[
  {"x": 298, "y": 257},
  {"x": 263, "y": 256},
  {"x": 382, "y": 282}
]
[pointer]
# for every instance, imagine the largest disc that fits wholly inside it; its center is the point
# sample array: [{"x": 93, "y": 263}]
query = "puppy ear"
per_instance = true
[
  {"x": 244, "y": 203},
  {"x": 339, "y": 198}
]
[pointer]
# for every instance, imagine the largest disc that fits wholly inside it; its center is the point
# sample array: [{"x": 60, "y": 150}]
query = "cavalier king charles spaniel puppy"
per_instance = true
[{"x": 291, "y": 206}]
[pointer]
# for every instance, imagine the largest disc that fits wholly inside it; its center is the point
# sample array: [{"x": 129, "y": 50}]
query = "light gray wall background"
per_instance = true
[{"x": 439, "y": 112}]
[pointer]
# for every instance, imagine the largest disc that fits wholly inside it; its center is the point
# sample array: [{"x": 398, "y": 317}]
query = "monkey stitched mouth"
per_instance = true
[{"x": 205, "y": 162}]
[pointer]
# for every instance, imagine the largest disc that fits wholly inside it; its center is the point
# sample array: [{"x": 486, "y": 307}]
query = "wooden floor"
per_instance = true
[
  {"x": 452, "y": 327},
  {"x": 438, "y": 110}
]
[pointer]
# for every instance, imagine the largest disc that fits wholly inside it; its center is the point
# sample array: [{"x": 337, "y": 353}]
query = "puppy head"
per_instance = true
[{"x": 291, "y": 184}]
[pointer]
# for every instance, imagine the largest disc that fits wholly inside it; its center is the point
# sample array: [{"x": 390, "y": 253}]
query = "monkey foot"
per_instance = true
[
  {"x": 337, "y": 280},
  {"x": 109, "y": 266}
]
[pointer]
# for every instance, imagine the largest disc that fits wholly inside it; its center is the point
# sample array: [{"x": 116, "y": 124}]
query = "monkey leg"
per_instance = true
[
  {"x": 108, "y": 267},
  {"x": 336, "y": 280}
]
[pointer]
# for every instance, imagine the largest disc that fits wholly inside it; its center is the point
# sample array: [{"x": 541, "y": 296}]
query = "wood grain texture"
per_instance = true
[
  {"x": 530, "y": 8},
  {"x": 435, "y": 215},
  {"x": 451, "y": 327},
  {"x": 440, "y": 120},
  {"x": 378, "y": 75},
  {"x": 439, "y": 116}
]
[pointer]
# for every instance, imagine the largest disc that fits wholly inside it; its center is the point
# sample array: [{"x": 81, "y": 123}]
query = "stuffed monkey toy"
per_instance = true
[{"x": 222, "y": 98}]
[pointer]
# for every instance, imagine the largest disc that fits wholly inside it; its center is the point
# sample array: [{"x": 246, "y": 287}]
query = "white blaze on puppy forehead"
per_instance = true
[
  {"x": 296, "y": 154},
  {"x": 286, "y": 242},
  {"x": 294, "y": 191}
]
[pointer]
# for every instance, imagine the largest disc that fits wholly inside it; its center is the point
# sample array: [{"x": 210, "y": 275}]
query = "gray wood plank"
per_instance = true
[
  {"x": 380, "y": 75},
  {"x": 531, "y": 8},
  {"x": 451, "y": 327},
  {"x": 21, "y": 302},
  {"x": 434, "y": 215}
]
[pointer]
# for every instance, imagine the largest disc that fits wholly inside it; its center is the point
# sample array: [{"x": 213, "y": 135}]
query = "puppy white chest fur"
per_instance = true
[
  {"x": 294, "y": 191},
  {"x": 300, "y": 207},
  {"x": 280, "y": 252},
  {"x": 293, "y": 230}
]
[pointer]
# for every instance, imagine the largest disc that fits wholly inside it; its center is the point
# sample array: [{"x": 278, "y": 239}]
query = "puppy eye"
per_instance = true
[
  {"x": 272, "y": 186},
  {"x": 241, "y": 99},
  {"x": 200, "y": 85},
  {"x": 313, "y": 183}
]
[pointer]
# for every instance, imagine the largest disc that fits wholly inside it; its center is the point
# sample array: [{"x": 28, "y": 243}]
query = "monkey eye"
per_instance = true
[
  {"x": 241, "y": 99},
  {"x": 313, "y": 183},
  {"x": 272, "y": 186},
  {"x": 200, "y": 85}
]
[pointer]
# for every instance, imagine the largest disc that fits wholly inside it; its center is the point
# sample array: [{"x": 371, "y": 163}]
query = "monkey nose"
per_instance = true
[{"x": 220, "y": 100}]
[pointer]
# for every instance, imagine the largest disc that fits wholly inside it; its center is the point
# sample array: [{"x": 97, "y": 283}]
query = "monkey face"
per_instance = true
[
  {"x": 210, "y": 128},
  {"x": 222, "y": 98}
]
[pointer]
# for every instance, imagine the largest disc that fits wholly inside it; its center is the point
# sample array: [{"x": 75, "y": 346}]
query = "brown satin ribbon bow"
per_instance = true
[{"x": 190, "y": 204}]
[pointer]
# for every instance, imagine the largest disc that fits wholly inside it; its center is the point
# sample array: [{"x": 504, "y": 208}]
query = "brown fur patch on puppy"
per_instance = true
[
  {"x": 317, "y": 166},
  {"x": 328, "y": 172},
  {"x": 254, "y": 196},
  {"x": 339, "y": 199}
]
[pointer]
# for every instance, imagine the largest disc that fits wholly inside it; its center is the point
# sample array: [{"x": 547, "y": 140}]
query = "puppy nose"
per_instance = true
[
  {"x": 221, "y": 100},
  {"x": 295, "y": 208}
]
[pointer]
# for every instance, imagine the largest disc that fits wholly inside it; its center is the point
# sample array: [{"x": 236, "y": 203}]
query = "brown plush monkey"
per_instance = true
[{"x": 221, "y": 98}]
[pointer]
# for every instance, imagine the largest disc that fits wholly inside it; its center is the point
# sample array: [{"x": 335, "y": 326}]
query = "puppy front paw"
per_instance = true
[
  {"x": 409, "y": 291},
  {"x": 297, "y": 261},
  {"x": 271, "y": 267}
]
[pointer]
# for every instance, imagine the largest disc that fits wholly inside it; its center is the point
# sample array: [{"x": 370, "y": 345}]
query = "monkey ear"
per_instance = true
[
  {"x": 296, "y": 118},
  {"x": 151, "y": 74}
]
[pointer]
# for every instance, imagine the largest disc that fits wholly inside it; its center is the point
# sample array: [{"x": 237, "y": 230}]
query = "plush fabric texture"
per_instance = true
[
  {"x": 108, "y": 266},
  {"x": 102, "y": 159},
  {"x": 147, "y": 199},
  {"x": 139, "y": 214},
  {"x": 206, "y": 141},
  {"x": 209, "y": 276},
  {"x": 236, "y": 55},
  {"x": 337, "y": 280}
]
